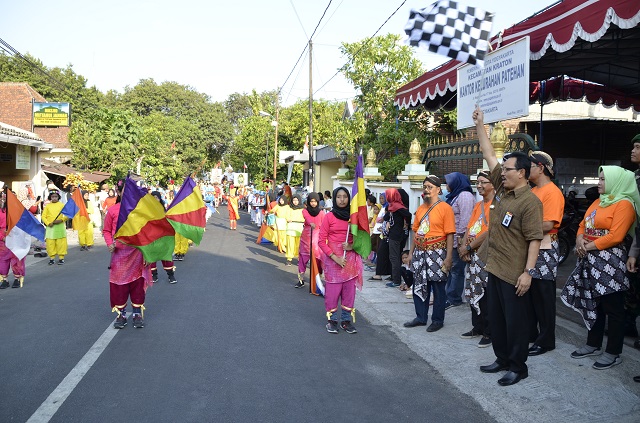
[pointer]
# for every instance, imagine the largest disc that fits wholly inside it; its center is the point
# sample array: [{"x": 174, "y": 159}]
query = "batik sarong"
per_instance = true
[{"x": 427, "y": 265}]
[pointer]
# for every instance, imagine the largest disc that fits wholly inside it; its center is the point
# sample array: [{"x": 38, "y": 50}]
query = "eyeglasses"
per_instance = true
[
  {"x": 506, "y": 169},
  {"x": 428, "y": 187},
  {"x": 482, "y": 183}
]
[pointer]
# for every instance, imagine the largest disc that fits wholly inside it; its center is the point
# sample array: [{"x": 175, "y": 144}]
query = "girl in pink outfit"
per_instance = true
[
  {"x": 342, "y": 266},
  {"x": 313, "y": 217}
]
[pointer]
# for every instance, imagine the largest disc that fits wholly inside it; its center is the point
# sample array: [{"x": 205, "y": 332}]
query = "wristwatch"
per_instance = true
[
  {"x": 529, "y": 271},
  {"x": 469, "y": 247}
]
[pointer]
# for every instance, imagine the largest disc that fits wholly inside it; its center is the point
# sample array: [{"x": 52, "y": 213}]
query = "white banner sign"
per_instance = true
[
  {"x": 23, "y": 157},
  {"x": 501, "y": 88},
  {"x": 240, "y": 179}
]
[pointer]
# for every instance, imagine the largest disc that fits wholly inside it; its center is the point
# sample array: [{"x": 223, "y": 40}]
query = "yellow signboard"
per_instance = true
[{"x": 51, "y": 114}]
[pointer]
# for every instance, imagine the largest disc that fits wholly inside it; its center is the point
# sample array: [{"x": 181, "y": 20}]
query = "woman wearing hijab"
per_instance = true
[
  {"x": 342, "y": 266},
  {"x": 281, "y": 211},
  {"x": 313, "y": 216},
  {"x": 462, "y": 201},
  {"x": 399, "y": 219},
  {"x": 295, "y": 223},
  {"x": 431, "y": 252},
  {"x": 596, "y": 288},
  {"x": 383, "y": 265}
]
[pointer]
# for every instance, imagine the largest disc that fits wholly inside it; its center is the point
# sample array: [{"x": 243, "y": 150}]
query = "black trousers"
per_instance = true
[
  {"x": 407, "y": 276},
  {"x": 480, "y": 322},
  {"x": 610, "y": 306},
  {"x": 509, "y": 322},
  {"x": 395, "y": 258},
  {"x": 383, "y": 266},
  {"x": 542, "y": 313}
]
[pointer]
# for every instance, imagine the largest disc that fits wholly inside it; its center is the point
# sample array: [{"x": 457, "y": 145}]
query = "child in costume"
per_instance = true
[{"x": 56, "y": 232}]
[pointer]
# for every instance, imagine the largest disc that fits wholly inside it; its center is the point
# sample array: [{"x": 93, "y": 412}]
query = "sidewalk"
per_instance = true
[{"x": 558, "y": 389}]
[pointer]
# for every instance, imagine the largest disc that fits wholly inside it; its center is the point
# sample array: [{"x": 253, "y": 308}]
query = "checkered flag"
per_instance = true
[{"x": 451, "y": 29}]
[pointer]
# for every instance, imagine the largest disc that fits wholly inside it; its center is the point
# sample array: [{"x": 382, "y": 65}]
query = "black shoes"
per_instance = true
[
  {"x": 138, "y": 321},
  {"x": 60, "y": 262},
  {"x": 172, "y": 278},
  {"x": 16, "y": 284},
  {"x": 434, "y": 327},
  {"x": 511, "y": 378},
  {"x": 636, "y": 379},
  {"x": 413, "y": 323},
  {"x": 154, "y": 276},
  {"x": 348, "y": 327},
  {"x": 121, "y": 322},
  {"x": 448, "y": 305},
  {"x": 471, "y": 334},
  {"x": 299, "y": 284},
  {"x": 495, "y": 367},
  {"x": 332, "y": 326},
  {"x": 51, "y": 261},
  {"x": 4, "y": 284},
  {"x": 577, "y": 354},
  {"x": 537, "y": 350}
]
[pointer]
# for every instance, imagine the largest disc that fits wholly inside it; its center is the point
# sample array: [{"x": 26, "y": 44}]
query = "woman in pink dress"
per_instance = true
[
  {"x": 342, "y": 266},
  {"x": 313, "y": 217}
]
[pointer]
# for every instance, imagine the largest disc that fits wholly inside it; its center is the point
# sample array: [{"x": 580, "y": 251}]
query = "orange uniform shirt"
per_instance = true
[
  {"x": 477, "y": 224},
  {"x": 440, "y": 221},
  {"x": 617, "y": 219},
  {"x": 552, "y": 203}
]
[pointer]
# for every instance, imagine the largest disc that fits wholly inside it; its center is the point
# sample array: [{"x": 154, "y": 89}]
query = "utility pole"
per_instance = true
[
  {"x": 275, "y": 145},
  {"x": 311, "y": 170}
]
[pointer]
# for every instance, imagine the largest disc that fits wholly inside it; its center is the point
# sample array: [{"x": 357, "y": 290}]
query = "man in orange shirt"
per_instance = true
[
  {"x": 431, "y": 255},
  {"x": 542, "y": 304}
]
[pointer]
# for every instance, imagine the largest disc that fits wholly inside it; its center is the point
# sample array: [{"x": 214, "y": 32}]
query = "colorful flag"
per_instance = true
[
  {"x": 142, "y": 224},
  {"x": 21, "y": 226},
  {"x": 359, "y": 219},
  {"x": 316, "y": 287},
  {"x": 75, "y": 209},
  {"x": 187, "y": 212},
  {"x": 245, "y": 166},
  {"x": 451, "y": 29}
]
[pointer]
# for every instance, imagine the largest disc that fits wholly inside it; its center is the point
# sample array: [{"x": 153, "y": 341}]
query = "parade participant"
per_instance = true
[
  {"x": 328, "y": 202},
  {"x": 129, "y": 277},
  {"x": 85, "y": 233},
  {"x": 56, "y": 232},
  {"x": 295, "y": 224},
  {"x": 109, "y": 201},
  {"x": 596, "y": 288},
  {"x": 232, "y": 207},
  {"x": 167, "y": 265},
  {"x": 475, "y": 275},
  {"x": 181, "y": 247},
  {"x": 313, "y": 216},
  {"x": 431, "y": 253},
  {"x": 515, "y": 232},
  {"x": 6, "y": 255},
  {"x": 281, "y": 211},
  {"x": 542, "y": 304},
  {"x": 461, "y": 199},
  {"x": 342, "y": 266}
]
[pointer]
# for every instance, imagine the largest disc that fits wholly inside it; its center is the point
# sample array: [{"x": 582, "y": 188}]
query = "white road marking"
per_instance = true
[{"x": 54, "y": 401}]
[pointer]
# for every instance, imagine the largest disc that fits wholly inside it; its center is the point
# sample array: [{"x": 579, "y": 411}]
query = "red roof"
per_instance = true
[{"x": 592, "y": 40}]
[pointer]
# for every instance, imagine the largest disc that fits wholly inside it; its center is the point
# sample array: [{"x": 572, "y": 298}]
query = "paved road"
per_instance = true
[{"x": 232, "y": 341}]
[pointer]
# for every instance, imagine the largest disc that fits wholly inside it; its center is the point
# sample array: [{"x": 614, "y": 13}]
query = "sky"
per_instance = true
[{"x": 217, "y": 47}]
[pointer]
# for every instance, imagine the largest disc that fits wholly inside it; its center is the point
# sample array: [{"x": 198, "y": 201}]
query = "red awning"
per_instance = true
[{"x": 593, "y": 40}]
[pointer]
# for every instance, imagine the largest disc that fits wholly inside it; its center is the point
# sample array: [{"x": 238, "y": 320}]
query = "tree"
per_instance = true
[{"x": 377, "y": 67}]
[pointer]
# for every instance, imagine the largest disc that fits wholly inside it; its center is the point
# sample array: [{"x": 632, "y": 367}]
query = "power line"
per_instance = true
[{"x": 363, "y": 45}]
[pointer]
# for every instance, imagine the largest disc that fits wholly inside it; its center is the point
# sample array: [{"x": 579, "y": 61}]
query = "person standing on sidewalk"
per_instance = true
[
  {"x": 632, "y": 300},
  {"x": 542, "y": 304},
  {"x": 461, "y": 200},
  {"x": 342, "y": 266},
  {"x": 515, "y": 232},
  {"x": 475, "y": 275},
  {"x": 399, "y": 219},
  {"x": 596, "y": 287},
  {"x": 431, "y": 253}
]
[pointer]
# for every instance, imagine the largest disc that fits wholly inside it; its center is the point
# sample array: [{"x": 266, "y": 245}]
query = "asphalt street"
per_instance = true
[{"x": 232, "y": 341}]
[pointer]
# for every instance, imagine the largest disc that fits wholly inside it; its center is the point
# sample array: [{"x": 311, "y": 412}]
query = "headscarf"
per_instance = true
[
  {"x": 619, "y": 184},
  {"x": 299, "y": 206},
  {"x": 313, "y": 211},
  {"x": 395, "y": 201},
  {"x": 457, "y": 183},
  {"x": 342, "y": 213},
  {"x": 405, "y": 197},
  {"x": 284, "y": 201}
]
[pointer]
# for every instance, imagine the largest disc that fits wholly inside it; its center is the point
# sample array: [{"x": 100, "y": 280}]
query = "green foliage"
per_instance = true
[{"x": 390, "y": 168}]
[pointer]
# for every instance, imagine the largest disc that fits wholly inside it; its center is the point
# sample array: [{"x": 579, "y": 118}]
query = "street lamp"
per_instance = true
[{"x": 274, "y": 123}]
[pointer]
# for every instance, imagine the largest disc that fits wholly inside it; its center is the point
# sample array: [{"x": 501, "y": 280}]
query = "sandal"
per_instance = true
[{"x": 373, "y": 278}]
